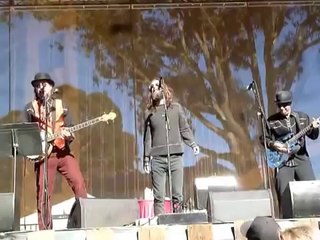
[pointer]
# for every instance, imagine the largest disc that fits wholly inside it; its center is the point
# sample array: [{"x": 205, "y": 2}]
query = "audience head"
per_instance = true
[
  {"x": 300, "y": 233},
  {"x": 262, "y": 228}
]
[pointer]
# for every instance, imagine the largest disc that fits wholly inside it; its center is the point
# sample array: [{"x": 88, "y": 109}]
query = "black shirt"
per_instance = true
[{"x": 280, "y": 126}]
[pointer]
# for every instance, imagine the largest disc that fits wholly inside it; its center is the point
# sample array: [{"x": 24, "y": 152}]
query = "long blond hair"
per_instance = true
[
  {"x": 298, "y": 233},
  {"x": 168, "y": 94}
]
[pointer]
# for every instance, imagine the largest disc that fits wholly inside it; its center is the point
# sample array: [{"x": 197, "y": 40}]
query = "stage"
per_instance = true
[
  {"x": 150, "y": 231},
  {"x": 174, "y": 232}
]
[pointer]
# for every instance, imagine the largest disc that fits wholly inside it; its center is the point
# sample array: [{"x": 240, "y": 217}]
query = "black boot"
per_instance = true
[{"x": 177, "y": 207}]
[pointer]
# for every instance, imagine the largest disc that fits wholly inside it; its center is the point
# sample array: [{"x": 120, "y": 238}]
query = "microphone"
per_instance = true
[
  {"x": 250, "y": 86},
  {"x": 41, "y": 91},
  {"x": 161, "y": 82},
  {"x": 49, "y": 96}
]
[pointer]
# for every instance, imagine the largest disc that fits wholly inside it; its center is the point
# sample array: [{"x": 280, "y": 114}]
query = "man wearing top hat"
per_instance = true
[
  {"x": 49, "y": 111},
  {"x": 298, "y": 166}
]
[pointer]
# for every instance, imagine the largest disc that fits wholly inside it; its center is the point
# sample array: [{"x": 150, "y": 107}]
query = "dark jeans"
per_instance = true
[
  {"x": 68, "y": 166},
  {"x": 302, "y": 172},
  {"x": 159, "y": 170}
]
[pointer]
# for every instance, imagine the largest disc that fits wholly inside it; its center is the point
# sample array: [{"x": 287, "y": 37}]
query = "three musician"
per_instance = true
[
  {"x": 52, "y": 116},
  {"x": 51, "y": 112},
  {"x": 286, "y": 121}
]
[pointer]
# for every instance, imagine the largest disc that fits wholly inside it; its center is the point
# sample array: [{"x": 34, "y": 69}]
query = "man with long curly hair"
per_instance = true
[
  {"x": 303, "y": 232},
  {"x": 157, "y": 148}
]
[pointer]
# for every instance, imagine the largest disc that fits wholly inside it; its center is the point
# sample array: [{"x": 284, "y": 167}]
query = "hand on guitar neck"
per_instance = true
[
  {"x": 315, "y": 122},
  {"x": 65, "y": 133}
]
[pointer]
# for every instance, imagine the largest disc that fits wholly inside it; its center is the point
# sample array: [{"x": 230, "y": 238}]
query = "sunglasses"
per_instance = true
[{"x": 284, "y": 104}]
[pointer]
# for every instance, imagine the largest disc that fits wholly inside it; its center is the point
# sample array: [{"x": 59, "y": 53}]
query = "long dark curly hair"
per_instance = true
[{"x": 168, "y": 94}]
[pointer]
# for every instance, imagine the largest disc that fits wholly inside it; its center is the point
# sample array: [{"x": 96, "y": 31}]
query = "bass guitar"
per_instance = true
[
  {"x": 277, "y": 159},
  {"x": 57, "y": 135}
]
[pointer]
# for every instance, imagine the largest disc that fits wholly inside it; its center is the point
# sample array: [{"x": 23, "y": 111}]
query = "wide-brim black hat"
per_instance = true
[
  {"x": 283, "y": 97},
  {"x": 42, "y": 77}
]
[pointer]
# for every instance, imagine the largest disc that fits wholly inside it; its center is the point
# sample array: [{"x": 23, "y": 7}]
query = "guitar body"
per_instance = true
[
  {"x": 58, "y": 142},
  {"x": 277, "y": 159}
]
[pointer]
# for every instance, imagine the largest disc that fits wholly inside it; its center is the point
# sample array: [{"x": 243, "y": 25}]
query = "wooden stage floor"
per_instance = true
[{"x": 149, "y": 231}]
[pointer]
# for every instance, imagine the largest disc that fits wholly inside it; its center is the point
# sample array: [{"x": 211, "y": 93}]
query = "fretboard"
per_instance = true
[
  {"x": 301, "y": 133},
  {"x": 77, "y": 127}
]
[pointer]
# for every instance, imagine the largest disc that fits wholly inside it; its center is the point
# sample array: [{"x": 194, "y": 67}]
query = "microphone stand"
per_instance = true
[
  {"x": 264, "y": 123},
  {"x": 167, "y": 125},
  {"x": 45, "y": 163}
]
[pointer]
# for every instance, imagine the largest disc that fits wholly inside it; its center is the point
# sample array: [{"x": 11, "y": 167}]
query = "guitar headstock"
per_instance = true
[{"x": 108, "y": 116}]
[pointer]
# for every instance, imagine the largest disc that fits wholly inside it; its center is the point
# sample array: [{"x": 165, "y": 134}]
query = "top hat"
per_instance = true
[
  {"x": 42, "y": 77},
  {"x": 283, "y": 97}
]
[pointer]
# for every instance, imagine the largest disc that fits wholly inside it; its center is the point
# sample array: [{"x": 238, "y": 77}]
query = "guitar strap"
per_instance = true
[
  {"x": 54, "y": 117},
  {"x": 297, "y": 118}
]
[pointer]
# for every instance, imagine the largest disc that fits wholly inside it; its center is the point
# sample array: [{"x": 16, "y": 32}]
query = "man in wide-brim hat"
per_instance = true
[
  {"x": 43, "y": 86},
  {"x": 285, "y": 124},
  {"x": 42, "y": 77},
  {"x": 283, "y": 98},
  {"x": 55, "y": 118}
]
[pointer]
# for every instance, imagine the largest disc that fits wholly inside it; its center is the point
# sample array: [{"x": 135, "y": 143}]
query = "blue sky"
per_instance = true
[
  {"x": 34, "y": 48},
  {"x": 307, "y": 97}
]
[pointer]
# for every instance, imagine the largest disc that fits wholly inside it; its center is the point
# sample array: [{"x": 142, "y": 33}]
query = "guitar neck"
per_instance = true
[
  {"x": 301, "y": 133},
  {"x": 77, "y": 127},
  {"x": 85, "y": 124}
]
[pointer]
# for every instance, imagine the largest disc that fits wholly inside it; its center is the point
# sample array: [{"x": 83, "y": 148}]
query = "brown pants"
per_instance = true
[{"x": 67, "y": 165}]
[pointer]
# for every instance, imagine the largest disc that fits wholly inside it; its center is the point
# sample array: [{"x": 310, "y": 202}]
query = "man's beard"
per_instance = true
[
  {"x": 157, "y": 96},
  {"x": 43, "y": 97}
]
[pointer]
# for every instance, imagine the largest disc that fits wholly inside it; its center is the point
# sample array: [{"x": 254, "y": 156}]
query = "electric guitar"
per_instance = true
[
  {"x": 57, "y": 135},
  {"x": 276, "y": 159}
]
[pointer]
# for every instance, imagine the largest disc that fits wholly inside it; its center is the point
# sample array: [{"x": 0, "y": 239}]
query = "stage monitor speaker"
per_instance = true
[
  {"x": 212, "y": 184},
  {"x": 238, "y": 205},
  {"x": 99, "y": 212},
  {"x": 8, "y": 218},
  {"x": 301, "y": 200},
  {"x": 183, "y": 218}
]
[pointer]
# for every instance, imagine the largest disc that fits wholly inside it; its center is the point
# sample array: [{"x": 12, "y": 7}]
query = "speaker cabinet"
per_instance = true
[
  {"x": 202, "y": 187},
  {"x": 301, "y": 200},
  {"x": 9, "y": 218},
  {"x": 238, "y": 205},
  {"x": 98, "y": 212}
]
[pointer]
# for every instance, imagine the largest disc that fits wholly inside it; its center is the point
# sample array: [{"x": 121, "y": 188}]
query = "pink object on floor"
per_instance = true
[{"x": 146, "y": 208}]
